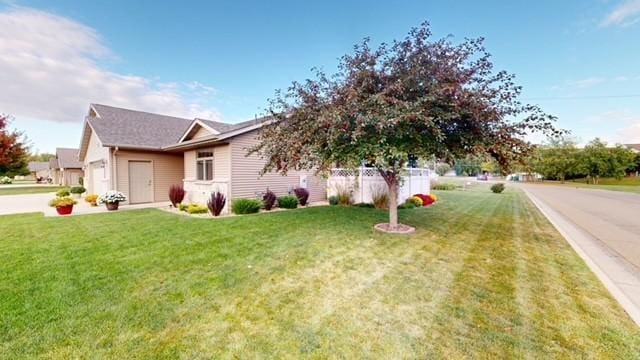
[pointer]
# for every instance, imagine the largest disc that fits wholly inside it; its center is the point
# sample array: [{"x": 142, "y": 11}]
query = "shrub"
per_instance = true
[
  {"x": 61, "y": 201},
  {"x": 183, "y": 207},
  {"x": 497, "y": 188},
  {"x": 380, "y": 197},
  {"x": 302, "y": 194},
  {"x": 364, "y": 205},
  {"x": 5, "y": 180},
  {"x": 91, "y": 199},
  {"x": 77, "y": 190},
  {"x": 176, "y": 194},
  {"x": 426, "y": 199},
  {"x": 333, "y": 200},
  {"x": 246, "y": 206},
  {"x": 443, "y": 186},
  {"x": 288, "y": 202},
  {"x": 63, "y": 193},
  {"x": 406, "y": 205},
  {"x": 442, "y": 169},
  {"x": 197, "y": 209},
  {"x": 269, "y": 200},
  {"x": 416, "y": 201},
  {"x": 344, "y": 198},
  {"x": 216, "y": 203}
]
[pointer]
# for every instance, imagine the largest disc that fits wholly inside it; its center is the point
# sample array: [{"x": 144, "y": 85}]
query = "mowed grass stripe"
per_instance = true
[{"x": 484, "y": 275}]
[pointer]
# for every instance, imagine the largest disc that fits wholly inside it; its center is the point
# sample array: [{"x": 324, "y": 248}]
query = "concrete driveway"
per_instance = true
[
  {"x": 17, "y": 204},
  {"x": 604, "y": 228}
]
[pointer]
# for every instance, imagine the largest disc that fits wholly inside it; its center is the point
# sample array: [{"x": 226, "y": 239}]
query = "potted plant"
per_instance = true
[
  {"x": 77, "y": 191},
  {"x": 112, "y": 199},
  {"x": 63, "y": 205},
  {"x": 92, "y": 199}
]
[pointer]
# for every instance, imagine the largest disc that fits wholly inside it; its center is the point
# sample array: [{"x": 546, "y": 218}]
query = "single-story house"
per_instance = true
[
  {"x": 39, "y": 169},
  {"x": 65, "y": 169},
  {"x": 142, "y": 154},
  {"x": 633, "y": 147}
]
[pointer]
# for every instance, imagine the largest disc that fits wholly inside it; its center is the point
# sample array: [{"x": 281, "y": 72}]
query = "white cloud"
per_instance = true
[
  {"x": 587, "y": 83},
  {"x": 625, "y": 14},
  {"x": 629, "y": 134},
  {"x": 50, "y": 69}
]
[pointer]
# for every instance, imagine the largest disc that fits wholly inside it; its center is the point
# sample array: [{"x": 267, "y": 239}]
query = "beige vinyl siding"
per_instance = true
[
  {"x": 168, "y": 169},
  {"x": 246, "y": 180},
  {"x": 95, "y": 152},
  {"x": 200, "y": 132},
  {"x": 222, "y": 162},
  {"x": 190, "y": 165}
]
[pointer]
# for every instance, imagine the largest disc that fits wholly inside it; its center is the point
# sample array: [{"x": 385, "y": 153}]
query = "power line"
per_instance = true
[{"x": 583, "y": 97}]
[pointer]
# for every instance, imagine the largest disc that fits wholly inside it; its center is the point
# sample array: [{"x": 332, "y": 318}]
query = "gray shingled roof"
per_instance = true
[
  {"x": 122, "y": 127},
  {"x": 38, "y": 165},
  {"x": 68, "y": 158}
]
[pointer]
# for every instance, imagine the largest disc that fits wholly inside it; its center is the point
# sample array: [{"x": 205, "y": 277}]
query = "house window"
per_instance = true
[{"x": 204, "y": 165}]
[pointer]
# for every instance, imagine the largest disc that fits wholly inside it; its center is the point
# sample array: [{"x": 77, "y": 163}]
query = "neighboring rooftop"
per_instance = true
[
  {"x": 38, "y": 165},
  {"x": 634, "y": 147},
  {"x": 67, "y": 158}
]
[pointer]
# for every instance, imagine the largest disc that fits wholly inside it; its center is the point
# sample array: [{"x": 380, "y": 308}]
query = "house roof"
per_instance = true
[
  {"x": 68, "y": 158},
  {"x": 126, "y": 128},
  {"x": 635, "y": 147},
  {"x": 122, "y": 127},
  {"x": 38, "y": 165}
]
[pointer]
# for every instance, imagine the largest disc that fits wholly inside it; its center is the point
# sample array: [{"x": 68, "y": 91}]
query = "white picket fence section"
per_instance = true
[{"x": 366, "y": 181}]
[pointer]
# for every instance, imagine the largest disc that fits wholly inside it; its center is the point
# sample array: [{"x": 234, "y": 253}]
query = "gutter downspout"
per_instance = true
[{"x": 114, "y": 168}]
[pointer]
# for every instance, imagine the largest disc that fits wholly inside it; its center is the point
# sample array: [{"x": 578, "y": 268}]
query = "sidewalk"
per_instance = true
[{"x": 620, "y": 277}]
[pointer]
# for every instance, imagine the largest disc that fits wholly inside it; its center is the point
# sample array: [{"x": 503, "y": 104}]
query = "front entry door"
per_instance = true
[{"x": 140, "y": 182}]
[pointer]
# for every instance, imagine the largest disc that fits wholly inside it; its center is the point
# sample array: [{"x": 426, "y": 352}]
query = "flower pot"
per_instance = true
[
  {"x": 64, "y": 210},
  {"x": 76, "y": 196},
  {"x": 112, "y": 206}
]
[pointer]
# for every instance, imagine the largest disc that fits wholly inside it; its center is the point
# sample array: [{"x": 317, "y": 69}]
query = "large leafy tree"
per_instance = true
[
  {"x": 13, "y": 151},
  {"x": 597, "y": 160},
  {"x": 558, "y": 158},
  {"x": 415, "y": 97}
]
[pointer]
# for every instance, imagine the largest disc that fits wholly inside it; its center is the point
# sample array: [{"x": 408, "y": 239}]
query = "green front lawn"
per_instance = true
[
  {"x": 29, "y": 190},
  {"x": 485, "y": 275}
]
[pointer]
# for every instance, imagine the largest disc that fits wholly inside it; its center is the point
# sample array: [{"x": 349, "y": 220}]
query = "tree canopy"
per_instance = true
[
  {"x": 560, "y": 158},
  {"x": 13, "y": 151},
  {"x": 415, "y": 97}
]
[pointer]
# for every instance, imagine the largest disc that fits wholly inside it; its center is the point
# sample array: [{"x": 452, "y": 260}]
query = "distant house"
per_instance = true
[
  {"x": 39, "y": 169},
  {"x": 633, "y": 147},
  {"x": 65, "y": 168},
  {"x": 142, "y": 154}
]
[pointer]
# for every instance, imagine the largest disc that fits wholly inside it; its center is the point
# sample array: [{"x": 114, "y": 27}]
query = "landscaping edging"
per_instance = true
[{"x": 401, "y": 229}]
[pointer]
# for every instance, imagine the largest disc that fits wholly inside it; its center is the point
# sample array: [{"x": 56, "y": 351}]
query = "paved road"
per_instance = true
[{"x": 611, "y": 217}]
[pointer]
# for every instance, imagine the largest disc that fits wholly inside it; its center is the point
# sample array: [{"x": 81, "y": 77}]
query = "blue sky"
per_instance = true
[{"x": 225, "y": 59}]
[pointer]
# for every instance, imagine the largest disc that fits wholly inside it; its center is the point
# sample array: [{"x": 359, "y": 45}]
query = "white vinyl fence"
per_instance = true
[{"x": 366, "y": 181}]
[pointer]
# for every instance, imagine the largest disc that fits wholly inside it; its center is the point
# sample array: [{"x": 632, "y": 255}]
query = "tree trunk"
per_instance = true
[
  {"x": 393, "y": 205},
  {"x": 391, "y": 178}
]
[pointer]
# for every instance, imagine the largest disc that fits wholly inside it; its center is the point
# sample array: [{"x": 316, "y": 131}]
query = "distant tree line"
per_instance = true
[{"x": 560, "y": 159}]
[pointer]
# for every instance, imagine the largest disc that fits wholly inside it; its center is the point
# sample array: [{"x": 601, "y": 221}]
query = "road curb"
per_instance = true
[{"x": 574, "y": 235}]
